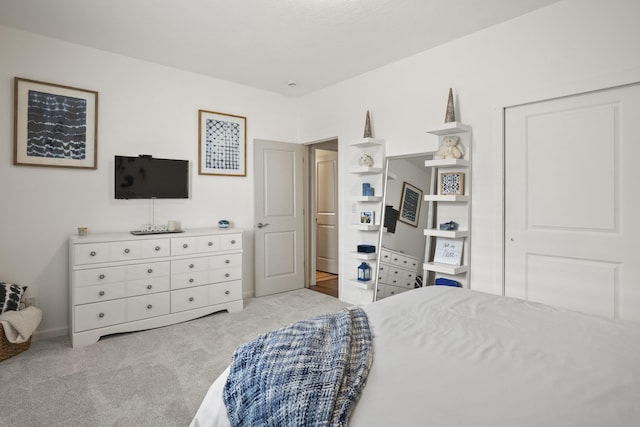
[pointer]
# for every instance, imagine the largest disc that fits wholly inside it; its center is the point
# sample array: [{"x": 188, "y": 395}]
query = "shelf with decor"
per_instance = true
[
  {"x": 447, "y": 251},
  {"x": 366, "y": 159}
]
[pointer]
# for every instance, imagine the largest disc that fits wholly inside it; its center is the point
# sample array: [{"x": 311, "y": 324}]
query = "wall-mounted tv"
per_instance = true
[{"x": 145, "y": 177}]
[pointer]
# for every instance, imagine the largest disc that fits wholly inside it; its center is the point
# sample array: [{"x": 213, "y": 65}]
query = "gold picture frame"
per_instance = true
[
  {"x": 451, "y": 183},
  {"x": 222, "y": 144},
  {"x": 54, "y": 125}
]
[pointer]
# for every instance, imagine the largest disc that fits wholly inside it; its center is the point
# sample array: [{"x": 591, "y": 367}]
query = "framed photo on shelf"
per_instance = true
[
  {"x": 451, "y": 183},
  {"x": 367, "y": 217},
  {"x": 410, "y": 202},
  {"x": 222, "y": 144},
  {"x": 448, "y": 251},
  {"x": 54, "y": 125}
]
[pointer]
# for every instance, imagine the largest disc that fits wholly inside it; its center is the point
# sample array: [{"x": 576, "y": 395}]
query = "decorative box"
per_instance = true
[{"x": 367, "y": 249}]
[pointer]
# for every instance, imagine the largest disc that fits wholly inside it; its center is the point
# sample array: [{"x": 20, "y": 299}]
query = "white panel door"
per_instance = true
[
  {"x": 327, "y": 211},
  {"x": 572, "y": 205},
  {"x": 279, "y": 234}
]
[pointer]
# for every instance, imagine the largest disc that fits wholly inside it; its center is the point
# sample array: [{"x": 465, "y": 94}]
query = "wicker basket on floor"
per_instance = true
[{"x": 9, "y": 349}]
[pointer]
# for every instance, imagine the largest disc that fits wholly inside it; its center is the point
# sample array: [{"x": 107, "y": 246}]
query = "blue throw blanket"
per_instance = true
[{"x": 308, "y": 374}]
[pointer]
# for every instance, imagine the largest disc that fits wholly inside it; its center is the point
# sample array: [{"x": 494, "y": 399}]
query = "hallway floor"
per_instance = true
[{"x": 326, "y": 283}]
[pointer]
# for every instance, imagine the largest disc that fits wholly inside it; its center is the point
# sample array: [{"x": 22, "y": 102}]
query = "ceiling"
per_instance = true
[{"x": 264, "y": 43}]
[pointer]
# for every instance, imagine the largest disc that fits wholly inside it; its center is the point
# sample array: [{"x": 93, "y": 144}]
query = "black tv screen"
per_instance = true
[{"x": 145, "y": 177}]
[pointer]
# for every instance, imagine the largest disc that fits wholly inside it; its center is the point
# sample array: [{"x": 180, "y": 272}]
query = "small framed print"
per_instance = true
[
  {"x": 451, "y": 183},
  {"x": 54, "y": 125},
  {"x": 367, "y": 217},
  {"x": 448, "y": 251},
  {"x": 222, "y": 144}
]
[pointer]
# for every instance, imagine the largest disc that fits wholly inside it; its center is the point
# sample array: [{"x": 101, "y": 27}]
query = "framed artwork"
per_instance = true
[
  {"x": 367, "y": 217},
  {"x": 54, "y": 125},
  {"x": 222, "y": 144},
  {"x": 410, "y": 202},
  {"x": 451, "y": 183},
  {"x": 448, "y": 251}
]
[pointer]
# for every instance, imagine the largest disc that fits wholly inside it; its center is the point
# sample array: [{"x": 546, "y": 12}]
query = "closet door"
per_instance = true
[{"x": 572, "y": 202}]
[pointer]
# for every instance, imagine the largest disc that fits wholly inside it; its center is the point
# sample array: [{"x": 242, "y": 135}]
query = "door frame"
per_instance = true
[
  {"x": 310, "y": 204},
  {"x": 547, "y": 93}
]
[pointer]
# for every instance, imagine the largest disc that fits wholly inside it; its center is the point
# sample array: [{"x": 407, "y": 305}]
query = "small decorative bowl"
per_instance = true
[{"x": 223, "y": 223}]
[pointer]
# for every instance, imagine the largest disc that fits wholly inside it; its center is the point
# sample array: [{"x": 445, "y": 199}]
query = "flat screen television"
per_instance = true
[{"x": 145, "y": 177}]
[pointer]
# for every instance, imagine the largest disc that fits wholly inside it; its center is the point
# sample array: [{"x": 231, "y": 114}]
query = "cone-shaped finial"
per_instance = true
[
  {"x": 451, "y": 112},
  {"x": 367, "y": 127}
]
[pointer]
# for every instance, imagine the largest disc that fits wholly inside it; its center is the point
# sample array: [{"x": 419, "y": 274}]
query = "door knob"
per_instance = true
[{"x": 260, "y": 225}]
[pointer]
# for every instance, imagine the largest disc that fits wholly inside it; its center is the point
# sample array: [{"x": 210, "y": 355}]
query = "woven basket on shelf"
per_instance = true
[{"x": 9, "y": 349}]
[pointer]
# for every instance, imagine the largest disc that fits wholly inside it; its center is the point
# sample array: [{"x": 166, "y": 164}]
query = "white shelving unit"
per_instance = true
[
  {"x": 443, "y": 208},
  {"x": 365, "y": 233}
]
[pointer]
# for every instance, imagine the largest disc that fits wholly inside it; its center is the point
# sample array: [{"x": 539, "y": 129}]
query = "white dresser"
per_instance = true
[
  {"x": 397, "y": 273},
  {"x": 123, "y": 283}
]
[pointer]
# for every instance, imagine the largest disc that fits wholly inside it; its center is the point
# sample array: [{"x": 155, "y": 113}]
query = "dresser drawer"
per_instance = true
[
  {"x": 225, "y": 292},
  {"x": 186, "y": 280},
  {"x": 94, "y": 276},
  {"x": 120, "y": 251},
  {"x": 189, "y": 265},
  {"x": 385, "y": 256},
  {"x": 230, "y": 241},
  {"x": 148, "y": 270},
  {"x": 183, "y": 245},
  {"x": 99, "y": 315},
  {"x": 404, "y": 261},
  {"x": 207, "y": 244},
  {"x": 383, "y": 273},
  {"x": 155, "y": 248},
  {"x": 91, "y": 253},
  {"x": 188, "y": 299},
  {"x": 145, "y": 306},
  {"x": 221, "y": 261},
  {"x": 148, "y": 286},
  {"x": 225, "y": 274},
  {"x": 96, "y": 293}
]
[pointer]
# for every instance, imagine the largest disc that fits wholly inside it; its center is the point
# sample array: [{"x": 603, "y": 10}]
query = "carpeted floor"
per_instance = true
[{"x": 149, "y": 378}]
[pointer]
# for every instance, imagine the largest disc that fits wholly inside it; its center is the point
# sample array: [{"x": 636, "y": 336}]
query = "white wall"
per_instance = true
[
  {"x": 143, "y": 109},
  {"x": 568, "y": 47}
]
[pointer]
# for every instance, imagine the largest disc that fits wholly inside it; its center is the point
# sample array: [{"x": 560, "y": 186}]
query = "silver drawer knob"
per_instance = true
[
  {"x": 227, "y": 275},
  {"x": 101, "y": 315},
  {"x": 227, "y": 292},
  {"x": 233, "y": 242},
  {"x": 126, "y": 251},
  {"x": 149, "y": 286},
  {"x": 227, "y": 261},
  {"x": 102, "y": 276},
  {"x": 191, "y": 266},
  {"x": 149, "y": 307},
  {"x": 157, "y": 248},
  {"x": 150, "y": 270},
  {"x": 191, "y": 280},
  {"x": 185, "y": 246},
  {"x": 101, "y": 293},
  {"x": 210, "y": 243},
  {"x": 190, "y": 299},
  {"x": 92, "y": 253}
]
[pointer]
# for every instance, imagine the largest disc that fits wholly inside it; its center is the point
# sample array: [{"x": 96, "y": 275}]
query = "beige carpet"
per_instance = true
[{"x": 148, "y": 378}]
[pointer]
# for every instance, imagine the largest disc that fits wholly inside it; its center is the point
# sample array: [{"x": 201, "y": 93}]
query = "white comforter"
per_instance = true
[{"x": 451, "y": 357}]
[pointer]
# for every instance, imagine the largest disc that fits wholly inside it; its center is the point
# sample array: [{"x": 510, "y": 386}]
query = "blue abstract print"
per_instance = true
[
  {"x": 56, "y": 126},
  {"x": 222, "y": 145}
]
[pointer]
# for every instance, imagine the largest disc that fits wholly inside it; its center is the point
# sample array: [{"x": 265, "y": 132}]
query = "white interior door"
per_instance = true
[
  {"x": 327, "y": 211},
  {"x": 572, "y": 203},
  {"x": 279, "y": 232}
]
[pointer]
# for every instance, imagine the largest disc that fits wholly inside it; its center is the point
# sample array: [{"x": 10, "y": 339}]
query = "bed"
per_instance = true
[{"x": 446, "y": 356}]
